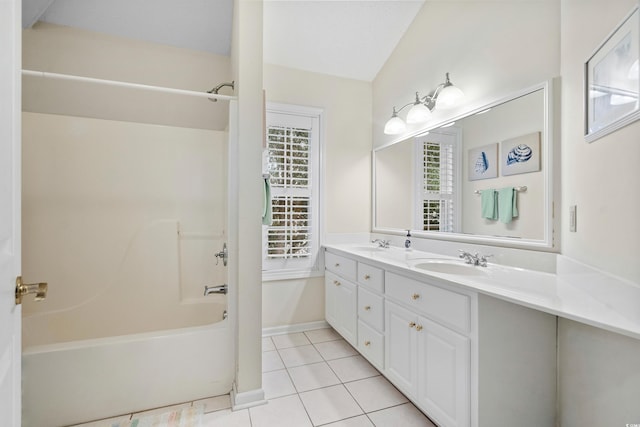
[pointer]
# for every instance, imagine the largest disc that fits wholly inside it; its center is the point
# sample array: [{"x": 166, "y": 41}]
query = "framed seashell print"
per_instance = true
[
  {"x": 483, "y": 162},
  {"x": 520, "y": 154},
  {"x": 612, "y": 80}
]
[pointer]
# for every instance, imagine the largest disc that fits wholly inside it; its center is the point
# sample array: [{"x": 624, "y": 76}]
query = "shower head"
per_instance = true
[{"x": 220, "y": 86}]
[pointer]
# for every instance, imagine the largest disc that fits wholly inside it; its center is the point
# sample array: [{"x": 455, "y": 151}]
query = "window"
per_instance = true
[
  {"x": 291, "y": 242},
  {"x": 438, "y": 182}
]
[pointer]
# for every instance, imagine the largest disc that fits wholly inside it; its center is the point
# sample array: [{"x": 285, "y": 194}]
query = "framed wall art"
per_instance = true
[
  {"x": 483, "y": 162},
  {"x": 520, "y": 154},
  {"x": 612, "y": 80}
]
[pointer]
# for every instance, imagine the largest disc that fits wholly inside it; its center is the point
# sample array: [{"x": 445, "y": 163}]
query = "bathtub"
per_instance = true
[{"x": 86, "y": 380}]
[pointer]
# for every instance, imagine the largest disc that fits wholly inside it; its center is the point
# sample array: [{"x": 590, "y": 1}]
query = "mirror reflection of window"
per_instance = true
[{"x": 439, "y": 185}]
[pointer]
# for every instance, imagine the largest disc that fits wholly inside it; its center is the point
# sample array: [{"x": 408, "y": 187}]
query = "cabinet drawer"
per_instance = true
[
  {"x": 447, "y": 307},
  {"x": 340, "y": 265},
  {"x": 371, "y": 308},
  {"x": 371, "y": 277},
  {"x": 371, "y": 344}
]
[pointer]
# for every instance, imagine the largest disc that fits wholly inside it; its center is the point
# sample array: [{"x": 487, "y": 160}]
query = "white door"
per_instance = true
[{"x": 10, "y": 313}]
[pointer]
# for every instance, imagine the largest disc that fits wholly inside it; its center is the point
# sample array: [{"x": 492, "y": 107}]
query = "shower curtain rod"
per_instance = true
[{"x": 57, "y": 76}]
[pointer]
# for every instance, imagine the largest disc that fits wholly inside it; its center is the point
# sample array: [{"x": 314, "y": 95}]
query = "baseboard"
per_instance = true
[
  {"x": 298, "y": 327},
  {"x": 246, "y": 399}
]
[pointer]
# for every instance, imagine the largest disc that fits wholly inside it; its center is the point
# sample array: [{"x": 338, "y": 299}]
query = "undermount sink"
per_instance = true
[
  {"x": 369, "y": 248},
  {"x": 451, "y": 267}
]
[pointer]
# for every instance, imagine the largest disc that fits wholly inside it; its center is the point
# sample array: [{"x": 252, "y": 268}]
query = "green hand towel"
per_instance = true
[
  {"x": 488, "y": 204},
  {"x": 507, "y": 209},
  {"x": 266, "y": 203}
]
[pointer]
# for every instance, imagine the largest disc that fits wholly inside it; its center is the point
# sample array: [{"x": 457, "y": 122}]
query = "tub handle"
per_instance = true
[
  {"x": 222, "y": 289},
  {"x": 223, "y": 254}
]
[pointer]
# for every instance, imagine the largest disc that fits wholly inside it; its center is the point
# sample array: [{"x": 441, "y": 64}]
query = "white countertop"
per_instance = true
[{"x": 575, "y": 292}]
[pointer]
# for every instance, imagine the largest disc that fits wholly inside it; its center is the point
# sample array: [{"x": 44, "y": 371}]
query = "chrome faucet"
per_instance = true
[
  {"x": 381, "y": 243},
  {"x": 222, "y": 289},
  {"x": 474, "y": 259}
]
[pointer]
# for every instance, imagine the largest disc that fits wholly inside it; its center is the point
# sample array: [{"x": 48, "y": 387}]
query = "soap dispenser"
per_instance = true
[{"x": 407, "y": 243}]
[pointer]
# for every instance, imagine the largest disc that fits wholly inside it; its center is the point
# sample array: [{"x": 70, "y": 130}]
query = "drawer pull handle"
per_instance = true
[
  {"x": 367, "y": 343},
  {"x": 337, "y": 264},
  {"x": 367, "y": 277},
  {"x": 418, "y": 328},
  {"x": 367, "y": 307},
  {"x": 412, "y": 324},
  {"x": 415, "y": 296},
  {"x": 335, "y": 282}
]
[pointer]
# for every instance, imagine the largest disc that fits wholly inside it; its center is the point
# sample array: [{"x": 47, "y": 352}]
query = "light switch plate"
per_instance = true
[{"x": 572, "y": 218}]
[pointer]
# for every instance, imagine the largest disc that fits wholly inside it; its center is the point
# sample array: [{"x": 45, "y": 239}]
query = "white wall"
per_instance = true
[
  {"x": 599, "y": 370},
  {"x": 346, "y": 138},
  {"x": 598, "y": 377},
  {"x": 602, "y": 177},
  {"x": 245, "y": 258},
  {"x": 346, "y": 180},
  {"x": 490, "y": 48}
]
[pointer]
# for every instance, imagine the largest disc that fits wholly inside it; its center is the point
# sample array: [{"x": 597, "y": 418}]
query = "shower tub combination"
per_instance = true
[
  {"x": 186, "y": 352},
  {"x": 123, "y": 220}
]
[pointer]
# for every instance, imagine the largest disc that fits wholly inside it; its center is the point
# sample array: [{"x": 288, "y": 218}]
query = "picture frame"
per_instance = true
[
  {"x": 483, "y": 162},
  {"x": 612, "y": 80},
  {"x": 520, "y": 154}
]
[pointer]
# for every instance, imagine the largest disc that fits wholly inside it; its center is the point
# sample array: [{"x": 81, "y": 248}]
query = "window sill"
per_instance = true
[{"x": 272, "y": 276}]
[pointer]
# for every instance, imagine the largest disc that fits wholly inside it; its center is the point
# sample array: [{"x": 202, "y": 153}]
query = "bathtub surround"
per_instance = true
[{"x": 113, "y": 219}]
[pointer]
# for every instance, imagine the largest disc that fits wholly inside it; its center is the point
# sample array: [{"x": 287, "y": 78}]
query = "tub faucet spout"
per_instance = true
[{"x": 216, "y": 289}]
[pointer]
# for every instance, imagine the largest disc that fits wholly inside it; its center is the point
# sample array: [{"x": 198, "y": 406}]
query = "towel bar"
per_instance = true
[{"x": 523, "y": 188}]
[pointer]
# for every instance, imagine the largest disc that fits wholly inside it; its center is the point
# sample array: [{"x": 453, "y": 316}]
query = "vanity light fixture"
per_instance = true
[
  {"x": 444, "y": 96},
  {"x": 395, "y": 124}
]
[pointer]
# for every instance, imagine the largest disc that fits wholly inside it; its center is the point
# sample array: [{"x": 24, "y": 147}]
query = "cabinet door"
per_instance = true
[
  {"x": 331, "y": 300},
  {"x": 443, "y": 374},
  {"x": 401, "y": 348},
  {"x": 347, "y": 298},
  {"x": 341, "y": 306}
]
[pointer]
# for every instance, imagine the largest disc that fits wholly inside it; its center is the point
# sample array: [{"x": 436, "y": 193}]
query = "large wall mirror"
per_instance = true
[{"x": 454, "y": 182}]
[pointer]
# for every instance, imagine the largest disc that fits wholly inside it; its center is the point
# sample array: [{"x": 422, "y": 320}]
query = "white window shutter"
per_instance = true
[
  {"x": 291, "y": 242},
  {"x": 438, "y": 186}
]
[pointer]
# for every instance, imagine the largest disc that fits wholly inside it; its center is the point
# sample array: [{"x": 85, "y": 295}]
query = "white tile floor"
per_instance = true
[{"x": 311, "y": 379}]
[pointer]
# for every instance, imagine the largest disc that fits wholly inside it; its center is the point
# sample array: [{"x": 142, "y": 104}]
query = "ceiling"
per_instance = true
[{"x": 351, "y": 39}]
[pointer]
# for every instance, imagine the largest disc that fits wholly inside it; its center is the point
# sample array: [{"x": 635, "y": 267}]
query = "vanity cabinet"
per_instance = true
[
  {"x": 430, "y": 363},
  {"x": 464, "y": 358},
  {"x": 341, "y": 306},
  {"x": 341, "y": 295}
]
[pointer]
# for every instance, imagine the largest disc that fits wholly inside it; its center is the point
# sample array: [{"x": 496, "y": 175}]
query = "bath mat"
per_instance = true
[{"x": 185, "y": 417}]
